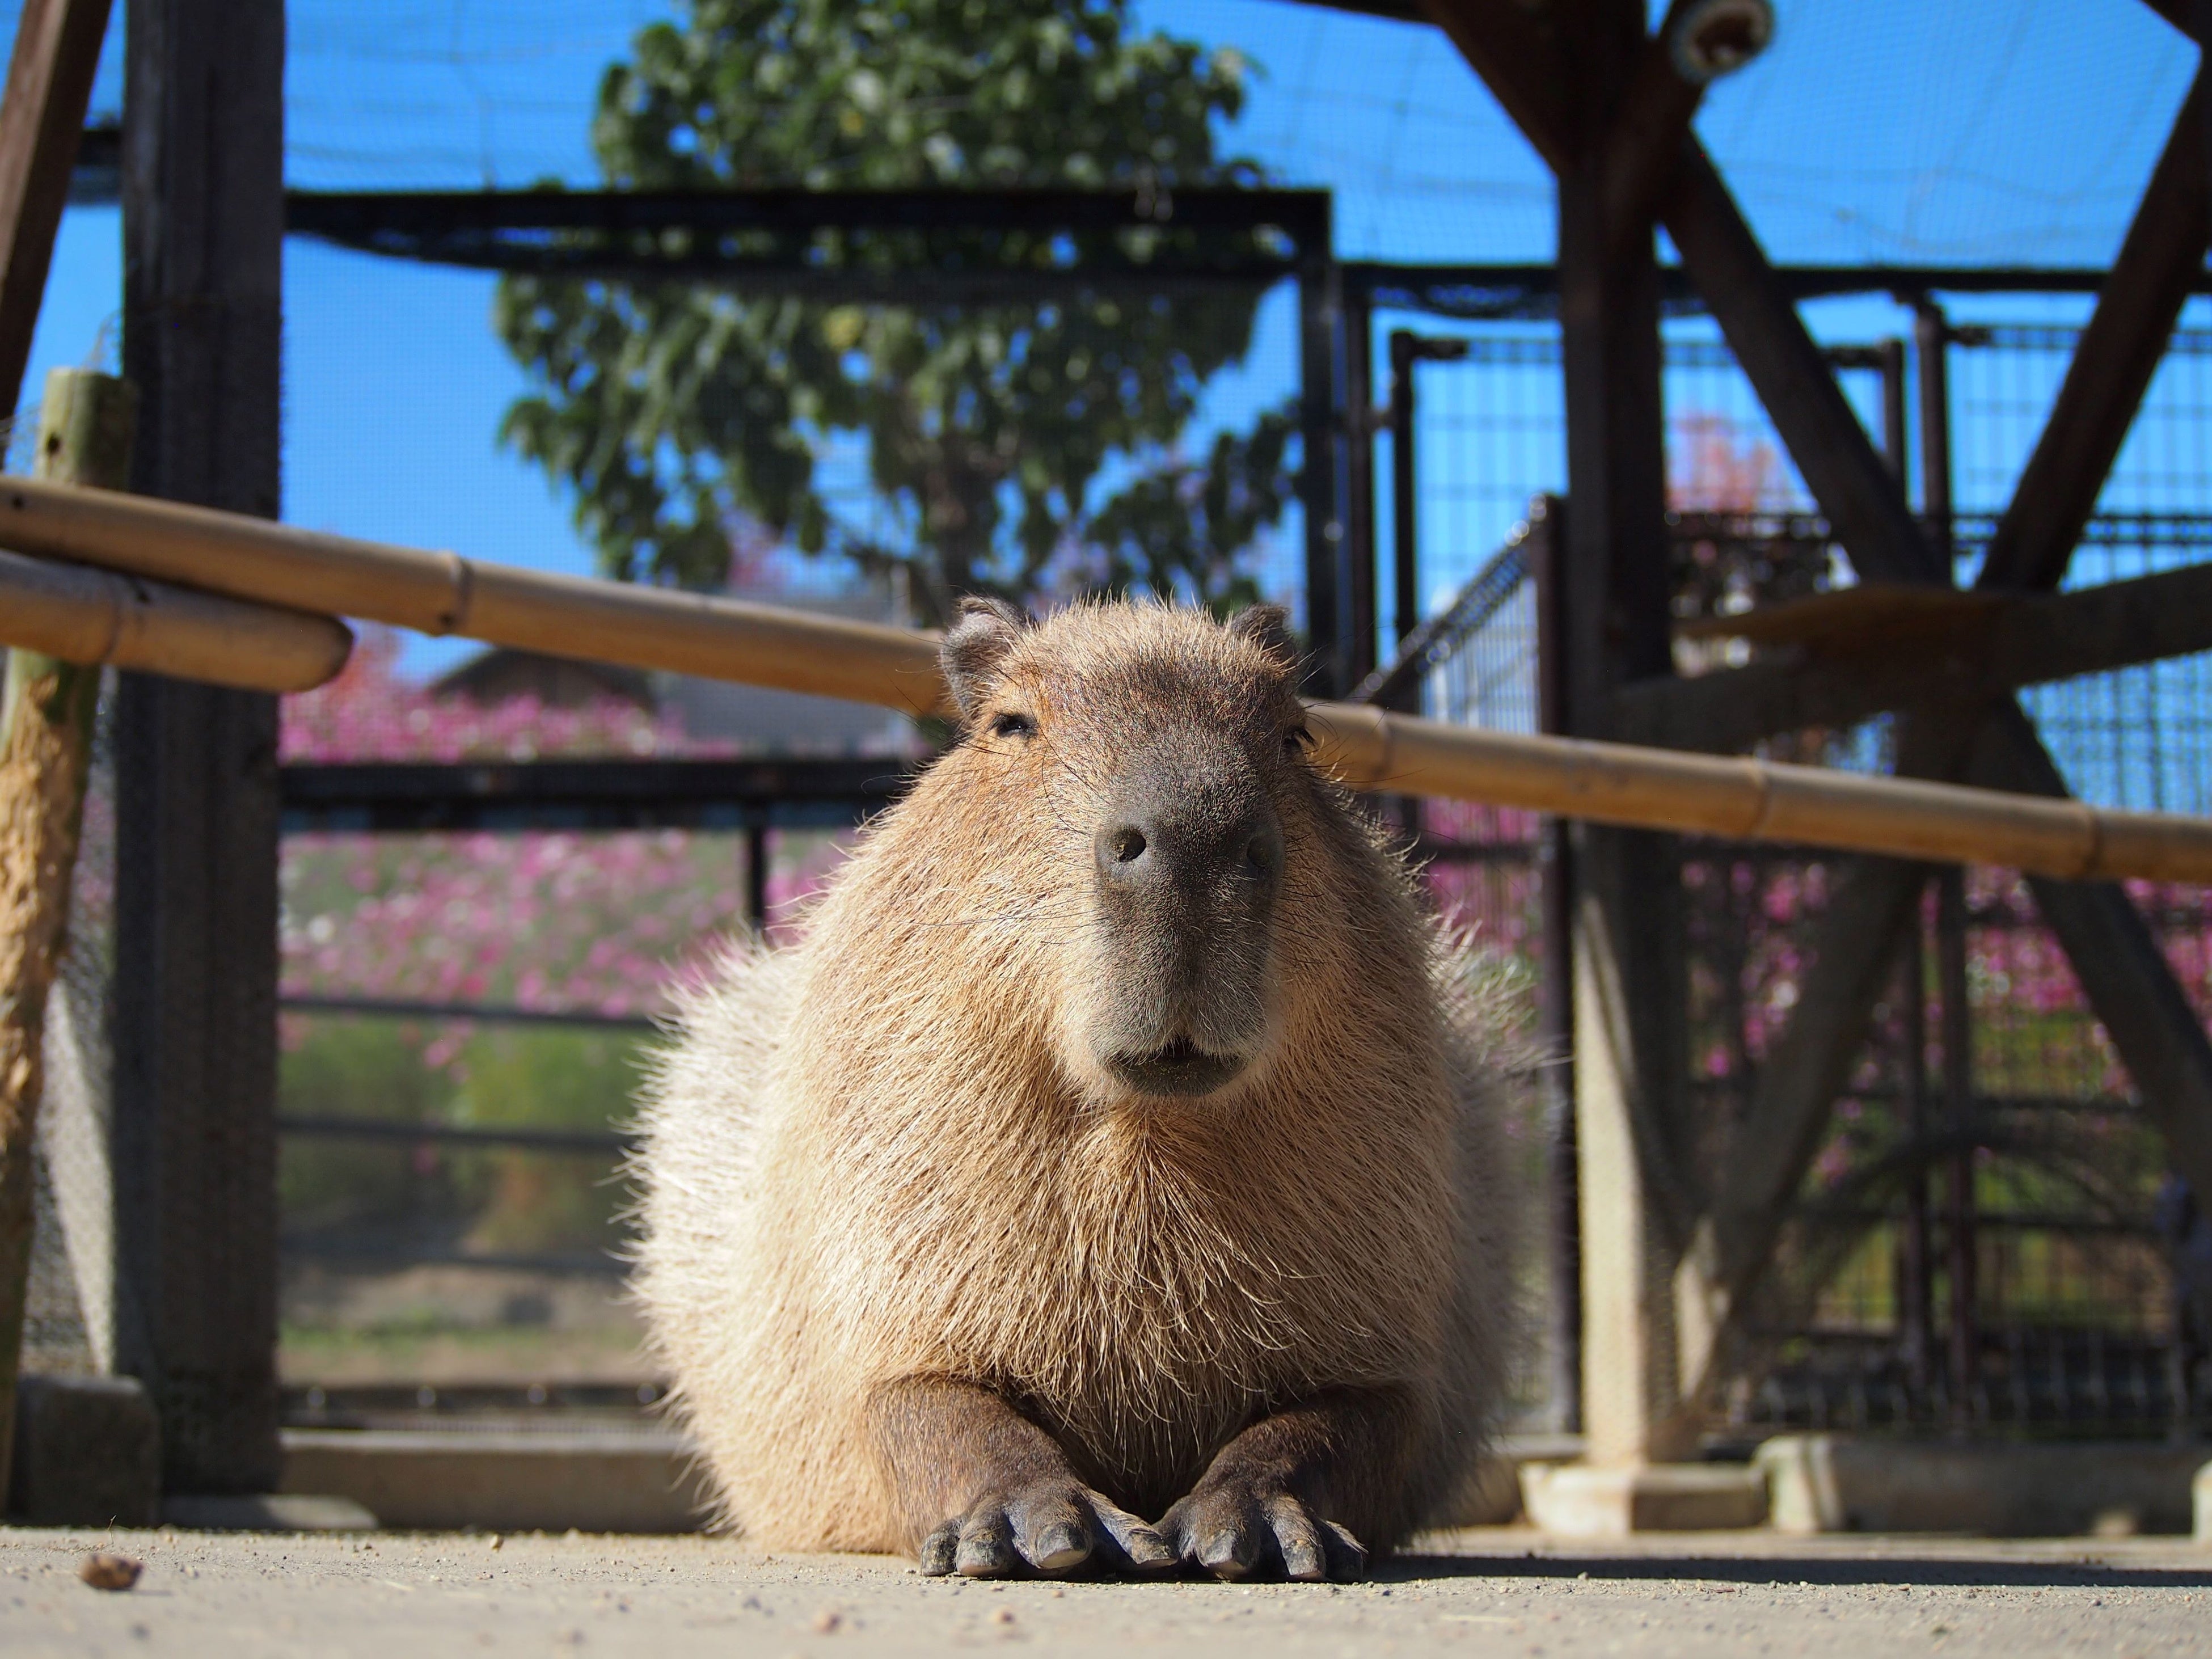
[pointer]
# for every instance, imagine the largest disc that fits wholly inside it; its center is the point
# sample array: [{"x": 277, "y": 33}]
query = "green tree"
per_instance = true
[{"x": 679, "y": 412}]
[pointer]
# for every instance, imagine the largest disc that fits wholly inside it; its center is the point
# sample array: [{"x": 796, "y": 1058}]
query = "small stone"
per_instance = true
[
  {"x": 498, "y": 1539},
  {"x": 828, "y": 1620},
  {"x": 105, "y": 1570},
  {"x": 1003, "y": 1616}
]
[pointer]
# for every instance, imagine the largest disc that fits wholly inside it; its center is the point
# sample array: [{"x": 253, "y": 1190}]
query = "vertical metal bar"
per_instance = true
[
  {"x": 195, "y": 1036},
  {"x": 1889, "y": 357},
  {"x": 1915, "y": 1263},
  {"x": 1958, "y": 1106},
  {"x": 1405, "y": 507},
  {"x": 756, "y": 857},
  {"x": 1320, "y": 440},
  {"x": 1357, "y": 399},
  {"x": 1931, "y": 336},
  {"x": 1555, "y": 991}
]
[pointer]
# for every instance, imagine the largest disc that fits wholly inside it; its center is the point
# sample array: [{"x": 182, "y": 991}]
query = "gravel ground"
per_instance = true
[{"x": 1507, "y": 1592}]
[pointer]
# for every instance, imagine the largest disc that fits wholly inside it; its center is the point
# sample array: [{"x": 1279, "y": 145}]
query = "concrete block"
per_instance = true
[
  {"x": 1580, "y": 1500},
  {"x": 2201, "y": 1501},
  {"x": 268, "y": 1511},
  {"x": 1996, "y": 1488},
  {"x": 518, "y": 1481},
  {"x": 88, "y": 1452}
]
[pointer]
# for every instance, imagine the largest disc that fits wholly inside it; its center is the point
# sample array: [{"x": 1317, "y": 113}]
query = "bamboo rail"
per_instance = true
[
  {"x": 95, "y": 616},
  {"x": 282, "y": 565},
  {"x": 259, "y": 562}
]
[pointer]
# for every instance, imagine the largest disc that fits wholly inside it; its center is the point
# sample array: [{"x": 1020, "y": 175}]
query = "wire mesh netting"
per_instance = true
[
  {"x": 2084, "y": 1259},
  {"x": 466, "y": 1010}
]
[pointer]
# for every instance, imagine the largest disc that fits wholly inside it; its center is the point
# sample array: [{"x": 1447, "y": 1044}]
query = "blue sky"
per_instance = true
[{"x": 1980, "y": 130}]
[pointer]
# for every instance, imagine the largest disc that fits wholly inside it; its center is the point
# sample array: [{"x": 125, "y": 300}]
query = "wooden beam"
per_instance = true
[
  {"x": 2118, "y": 352},
  {"x": 41, "y": 116},
  {"x": 2185, "y": 15},
  {"x": 1999, "y": 642},
  {"x": 2124, "y": 975},
  {"x": 195, "y": 901},
  {"x": 1853, "y": 951},
  {"x": 1519, "y": 59},
  {"x": 1864, "y": 503},
  {"x": 1856, "y": 489},
  {"x": 1634, "y": 1145},
  {"x": 1644, "y": 141}
]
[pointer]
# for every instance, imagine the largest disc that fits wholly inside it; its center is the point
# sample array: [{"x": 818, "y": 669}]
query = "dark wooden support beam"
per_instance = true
[
  {"x": 2112, "y": 367},
  {"x": 1519, "y": 59},
  {"x": 41, "y": 118},
  {"x": 1644, "y": 143},
  {"x": 2187, "y": 15},
  {"x": 195, "y": 1021},
  {"x": 1854, "y": 954},
  {"x": 2019, "y": 640},
  {"x": 1633, "y": 1144},
  {"x": 1860, "y": 493},
  {"x": 2124, "y": 975},
  {"x": 2149, "y": 1019}
]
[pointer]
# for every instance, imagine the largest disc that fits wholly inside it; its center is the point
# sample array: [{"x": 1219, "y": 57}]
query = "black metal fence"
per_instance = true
[{"x": 2090, "y": 1266}]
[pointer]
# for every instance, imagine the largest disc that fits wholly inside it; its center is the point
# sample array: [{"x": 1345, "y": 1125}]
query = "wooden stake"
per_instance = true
[{"x": 46, "y": 751}]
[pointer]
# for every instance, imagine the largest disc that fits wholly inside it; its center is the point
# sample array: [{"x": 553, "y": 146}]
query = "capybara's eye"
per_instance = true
[{"x": 1014, "y": 726}]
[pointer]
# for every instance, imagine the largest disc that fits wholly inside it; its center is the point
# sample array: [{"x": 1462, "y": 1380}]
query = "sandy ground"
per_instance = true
[{"x": 399, "y": 1596}]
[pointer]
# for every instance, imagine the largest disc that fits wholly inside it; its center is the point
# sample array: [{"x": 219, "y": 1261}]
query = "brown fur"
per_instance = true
[{"x": 882, "y": 1172}]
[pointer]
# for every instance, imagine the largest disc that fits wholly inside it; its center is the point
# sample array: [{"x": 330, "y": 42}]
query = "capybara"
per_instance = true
[{"x": 1107, "y": 1176}]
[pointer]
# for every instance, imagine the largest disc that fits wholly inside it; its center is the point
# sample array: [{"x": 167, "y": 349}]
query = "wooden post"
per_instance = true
[
  {"x": 195, "y": 1016},
  {"x": 1628, "y": 987},
  {"x": 45, "y": 752}
]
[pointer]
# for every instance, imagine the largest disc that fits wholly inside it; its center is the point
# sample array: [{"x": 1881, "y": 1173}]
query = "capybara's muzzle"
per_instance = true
[{"x": 1189, "y": 857}]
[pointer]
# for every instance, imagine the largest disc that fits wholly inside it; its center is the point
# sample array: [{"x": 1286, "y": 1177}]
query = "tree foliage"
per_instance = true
[{"x": 678, "y": 411}]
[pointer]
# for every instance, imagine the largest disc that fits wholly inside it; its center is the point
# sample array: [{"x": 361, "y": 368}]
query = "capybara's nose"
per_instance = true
[{"x": 1143, "y": 851}]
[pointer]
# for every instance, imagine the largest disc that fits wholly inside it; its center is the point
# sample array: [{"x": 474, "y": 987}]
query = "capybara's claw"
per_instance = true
[
  {"x": 939, "y": 1550},
  {"x": 1235, "y": 1532},
  {"x": 1049, "y": 1528}
]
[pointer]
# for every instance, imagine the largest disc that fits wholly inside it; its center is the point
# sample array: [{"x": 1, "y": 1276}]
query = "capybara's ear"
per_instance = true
[
  {"x": 1268, "y": 627},
  {"x": 973, "y": 647}
]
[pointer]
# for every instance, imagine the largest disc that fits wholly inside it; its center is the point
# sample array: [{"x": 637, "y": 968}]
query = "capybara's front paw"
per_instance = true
[
  {"x": 1049, "y": 1526},
  {"x": 1241, "y": 1527}
]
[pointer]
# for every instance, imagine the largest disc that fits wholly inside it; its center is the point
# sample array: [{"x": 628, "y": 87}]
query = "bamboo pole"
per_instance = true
[
  {"x": 46, "y": 753},
  {"x": 1741, "y": 798},
  {"x": 276, "y": 564},
  {"x": 95, "y": 618}
]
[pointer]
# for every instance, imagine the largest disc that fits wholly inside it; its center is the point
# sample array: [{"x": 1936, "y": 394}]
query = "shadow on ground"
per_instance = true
[{"x": 1899, "y": 1568}]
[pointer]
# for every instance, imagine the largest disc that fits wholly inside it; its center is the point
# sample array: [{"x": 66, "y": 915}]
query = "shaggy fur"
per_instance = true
[{"x": 884, "y": 1153}]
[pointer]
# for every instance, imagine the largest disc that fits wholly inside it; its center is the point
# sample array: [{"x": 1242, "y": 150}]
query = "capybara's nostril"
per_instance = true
[{"x": 1121, "y": 850}]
